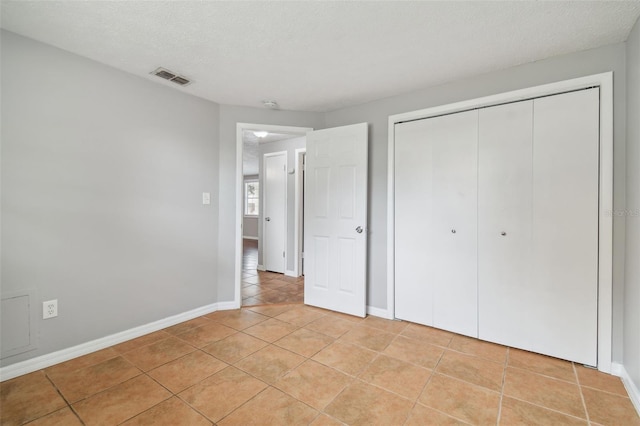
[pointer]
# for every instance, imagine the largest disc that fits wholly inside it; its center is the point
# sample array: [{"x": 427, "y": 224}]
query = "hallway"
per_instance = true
[{"x": 261, "y": 287}]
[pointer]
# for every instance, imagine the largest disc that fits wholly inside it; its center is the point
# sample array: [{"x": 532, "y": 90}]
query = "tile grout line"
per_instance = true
[
  {"x": 542, "y": 406},
  {"x": 171, "y": 395},
  {"x": 176, "y": 394},
  {"x": 433, "y": 371},
  {"x": 194, "y": 408},
  {"x": 584, "y": 403},
  {"x": 141, "y": 373},
  {"x": 356, "y": 377},
  {"x": 63, "y": 398},
  {"x": 546, "y": 376},
  {"x": 504, "y": 378},
  {"x": 244, "y": 403},
  {"x": 573, "y": 416}
]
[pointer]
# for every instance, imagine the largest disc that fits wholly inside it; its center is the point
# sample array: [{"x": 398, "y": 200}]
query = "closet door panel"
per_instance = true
[
  {"x": 454, "y": 221},
  {"x": 565, "y": 225},
  {"x": 413, "y": 218},
  {"x": 436, "y": 222},
  {"x": 505, "y": 161}
]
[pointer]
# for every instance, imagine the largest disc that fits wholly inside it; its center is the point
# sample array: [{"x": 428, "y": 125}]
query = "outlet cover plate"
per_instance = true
[{"x": 50, "y": 309}]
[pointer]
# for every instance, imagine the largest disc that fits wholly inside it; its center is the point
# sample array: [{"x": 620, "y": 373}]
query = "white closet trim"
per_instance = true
[{"x": 605, "y": 248}]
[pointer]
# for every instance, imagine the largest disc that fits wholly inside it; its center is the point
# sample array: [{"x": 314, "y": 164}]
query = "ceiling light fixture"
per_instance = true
[
  {"x": 270, "y": 104},
  {"x": 261, "y": 134}
]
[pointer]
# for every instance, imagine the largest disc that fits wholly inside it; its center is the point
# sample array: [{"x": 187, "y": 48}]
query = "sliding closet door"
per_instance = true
[
  {"x": 436, "y": 222},
  {"x": 565, "y": 226},
  {"x": 505, "y": 197}
]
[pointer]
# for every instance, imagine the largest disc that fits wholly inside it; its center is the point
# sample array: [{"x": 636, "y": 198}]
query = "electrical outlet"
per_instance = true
[{"x": 50, "y": 309}]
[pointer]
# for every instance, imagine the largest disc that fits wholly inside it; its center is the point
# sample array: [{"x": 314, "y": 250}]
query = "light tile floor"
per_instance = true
[
  {"x": 259, "y": 287},
  {"x": 298, "y": 365}
]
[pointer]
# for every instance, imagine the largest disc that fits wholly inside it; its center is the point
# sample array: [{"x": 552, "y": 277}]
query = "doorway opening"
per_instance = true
[{"x": 269, "y": 245}]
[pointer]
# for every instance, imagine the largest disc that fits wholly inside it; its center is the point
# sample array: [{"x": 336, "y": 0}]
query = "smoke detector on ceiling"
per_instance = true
[
  {"x": 171, "y": 76},
  {"x": 270, "y": 104}
]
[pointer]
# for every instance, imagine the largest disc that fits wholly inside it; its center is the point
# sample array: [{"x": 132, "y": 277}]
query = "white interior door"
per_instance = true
[
  {"x": 274, "y": 211},
  {"x": 335, "y": 219}
]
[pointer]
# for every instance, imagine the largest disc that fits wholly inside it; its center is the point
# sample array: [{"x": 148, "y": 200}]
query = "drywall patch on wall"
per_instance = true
[{"x": 18, "y": 322}]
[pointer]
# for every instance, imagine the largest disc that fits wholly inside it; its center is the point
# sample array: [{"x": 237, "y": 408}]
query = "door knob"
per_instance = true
[
  {"x": 268, "y": 219},
  {"x": 503, "y": 233},
  {"x": 359, "y": 229},
  {"x": 453, "y": 231}
]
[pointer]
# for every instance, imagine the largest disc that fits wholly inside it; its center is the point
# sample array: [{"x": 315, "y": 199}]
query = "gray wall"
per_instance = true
[
  {"x": 229, "y": 117},
  {"x": 250, "y": 223},
  {"x": 290, "y": 146},
  {"x": 250, "y": 227},
  {"x": 632, "y": 277},
  {"x": 608, "y": 58},
  {"x": 102, "y": 176}
]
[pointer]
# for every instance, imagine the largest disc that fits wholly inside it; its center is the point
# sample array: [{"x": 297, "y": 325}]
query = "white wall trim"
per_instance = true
[
  {"x": 299, "y": 213},
  {"x": 261, "y": 268},
  {"x": 605, "y": 249},
  {"x": 47, "y": 360},
  {"x": 290, "y": 273},
  {"x": 241, "y": 127},
  {"x": 227, "y": 306},
  {"x": 244, "y": 237},
  {"x": 633, "y": 391},
  {"x": 379, "y": 312}
]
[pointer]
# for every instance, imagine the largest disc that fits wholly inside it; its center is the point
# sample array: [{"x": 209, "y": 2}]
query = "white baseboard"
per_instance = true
[
  {"x": 260, "y": 268},
  {"x": 47, "y": 360},
  {"x": 226, "y": 306},
  {"x": 378, "y": 312},
  {"x": 290, "y": 273},
  {"x": 244, "y": 237},
  {"x": 632, "y": 389}
]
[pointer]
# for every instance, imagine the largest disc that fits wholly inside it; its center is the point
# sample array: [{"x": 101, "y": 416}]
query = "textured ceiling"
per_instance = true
[
  {"x": 315, "y": 55},
  {"x": 251, "y": 152}
]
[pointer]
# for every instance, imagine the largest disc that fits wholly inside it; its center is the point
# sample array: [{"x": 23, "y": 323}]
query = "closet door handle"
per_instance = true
[
  {"x": 453, "y": 231},
  {"x": 504, "y": 234},
  {"x": 268, "y": 219},
  {"x": 359, "y": 229}
]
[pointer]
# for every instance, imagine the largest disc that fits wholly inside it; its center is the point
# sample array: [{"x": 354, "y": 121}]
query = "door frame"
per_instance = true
[
  {"x": 240, "y": 128},
  {"x": 298, "y": 247},
  {"x": 263, "y": 189},
  {"x": 605, "y": 219}
]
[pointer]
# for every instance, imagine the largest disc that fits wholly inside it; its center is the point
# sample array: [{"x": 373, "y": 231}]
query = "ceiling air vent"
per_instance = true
[{"x": 171, "y": 76}]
